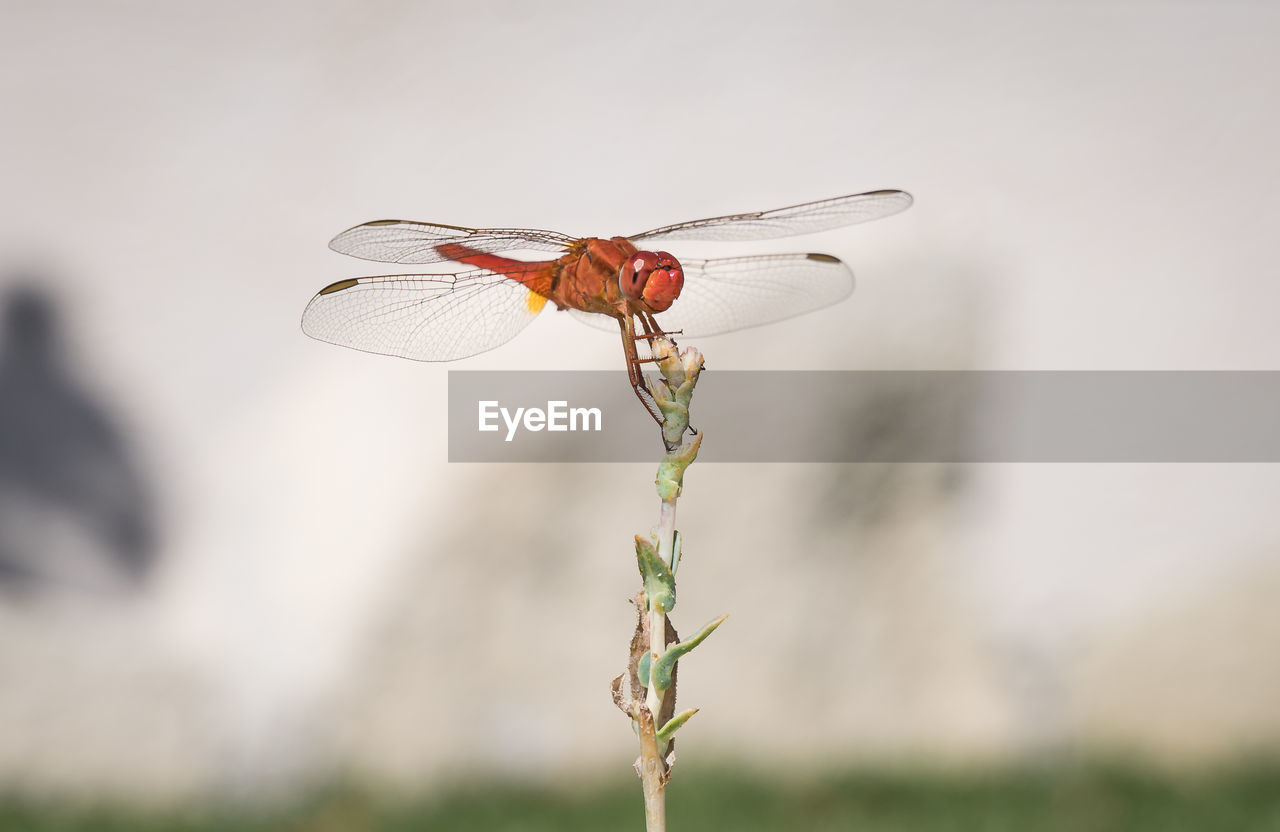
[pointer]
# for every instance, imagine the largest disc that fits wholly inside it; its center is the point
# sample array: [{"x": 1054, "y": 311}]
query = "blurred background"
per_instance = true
[{"x": 237, "y": 570}]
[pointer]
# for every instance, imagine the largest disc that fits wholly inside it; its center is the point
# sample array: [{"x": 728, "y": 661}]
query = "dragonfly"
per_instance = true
[{"x": 621, "y": 283}]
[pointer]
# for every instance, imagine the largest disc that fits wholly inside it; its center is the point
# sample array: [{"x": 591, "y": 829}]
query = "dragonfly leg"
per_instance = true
[
  {"x": 634, "y": 373},
  {"x": 654, "y": 335},
  {"x": 652, "y": 329}
]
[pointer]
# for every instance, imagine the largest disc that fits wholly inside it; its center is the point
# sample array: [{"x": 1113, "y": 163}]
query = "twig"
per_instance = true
[{"x": 647, "y": 691}]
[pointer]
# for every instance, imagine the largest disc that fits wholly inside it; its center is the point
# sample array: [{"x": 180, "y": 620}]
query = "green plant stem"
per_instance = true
[
  {"x": 657, "y": 618},
  {"x": 672, "y": 394}
]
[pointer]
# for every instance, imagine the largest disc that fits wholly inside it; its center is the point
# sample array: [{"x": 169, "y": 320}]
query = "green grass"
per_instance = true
[{"x": 1068, "y": 800}]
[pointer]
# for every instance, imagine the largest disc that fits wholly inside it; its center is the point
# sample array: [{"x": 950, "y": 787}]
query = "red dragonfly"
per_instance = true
[{"x": 618, "y": 281}]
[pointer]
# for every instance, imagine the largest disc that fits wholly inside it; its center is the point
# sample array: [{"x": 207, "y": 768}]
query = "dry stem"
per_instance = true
[{"x": 653, "y": 774}]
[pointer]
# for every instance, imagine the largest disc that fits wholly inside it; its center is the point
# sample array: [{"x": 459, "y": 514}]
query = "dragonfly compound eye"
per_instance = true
[
  {"x": 666, "y": 279},
  {"x": 634, "y": 274}
]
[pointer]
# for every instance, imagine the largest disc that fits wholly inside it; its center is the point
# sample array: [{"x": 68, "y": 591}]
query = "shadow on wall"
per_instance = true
[{"x": 74, "y": 511}]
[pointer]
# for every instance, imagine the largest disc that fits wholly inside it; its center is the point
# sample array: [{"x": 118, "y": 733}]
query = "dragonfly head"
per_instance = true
[{"x": 652, "y": 276}]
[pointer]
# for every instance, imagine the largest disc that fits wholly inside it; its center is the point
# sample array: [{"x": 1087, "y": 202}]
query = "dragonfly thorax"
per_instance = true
[{"x": 652, "y": 276}]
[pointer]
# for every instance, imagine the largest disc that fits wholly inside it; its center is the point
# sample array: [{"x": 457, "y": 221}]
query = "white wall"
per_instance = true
[{"x": 1096, "y": 189}]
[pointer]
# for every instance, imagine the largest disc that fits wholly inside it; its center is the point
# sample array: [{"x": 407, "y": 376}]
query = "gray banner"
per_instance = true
[{"x": 885, "y": 416}]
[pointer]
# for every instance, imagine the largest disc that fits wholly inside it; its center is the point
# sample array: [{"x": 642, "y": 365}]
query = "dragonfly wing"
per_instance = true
[
  {"x": 595, "y": 320},
  {"x": 402, "y": 241},
  {"x": 806, "y": 218},
  {"x": 739, "y": 292},
  {"x": 426, "y": 317}
]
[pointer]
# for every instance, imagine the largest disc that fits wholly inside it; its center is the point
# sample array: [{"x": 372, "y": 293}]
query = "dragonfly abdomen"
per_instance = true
[{"x": 537, "y": 276}]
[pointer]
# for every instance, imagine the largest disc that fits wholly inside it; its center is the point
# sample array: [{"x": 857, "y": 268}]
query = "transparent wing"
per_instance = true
[
  {"x": 426, "y": 317},
  {"x": 401, "y": 241},
  {"x": 739, "y": 292},
  {"x": 806, "y": 218}
]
